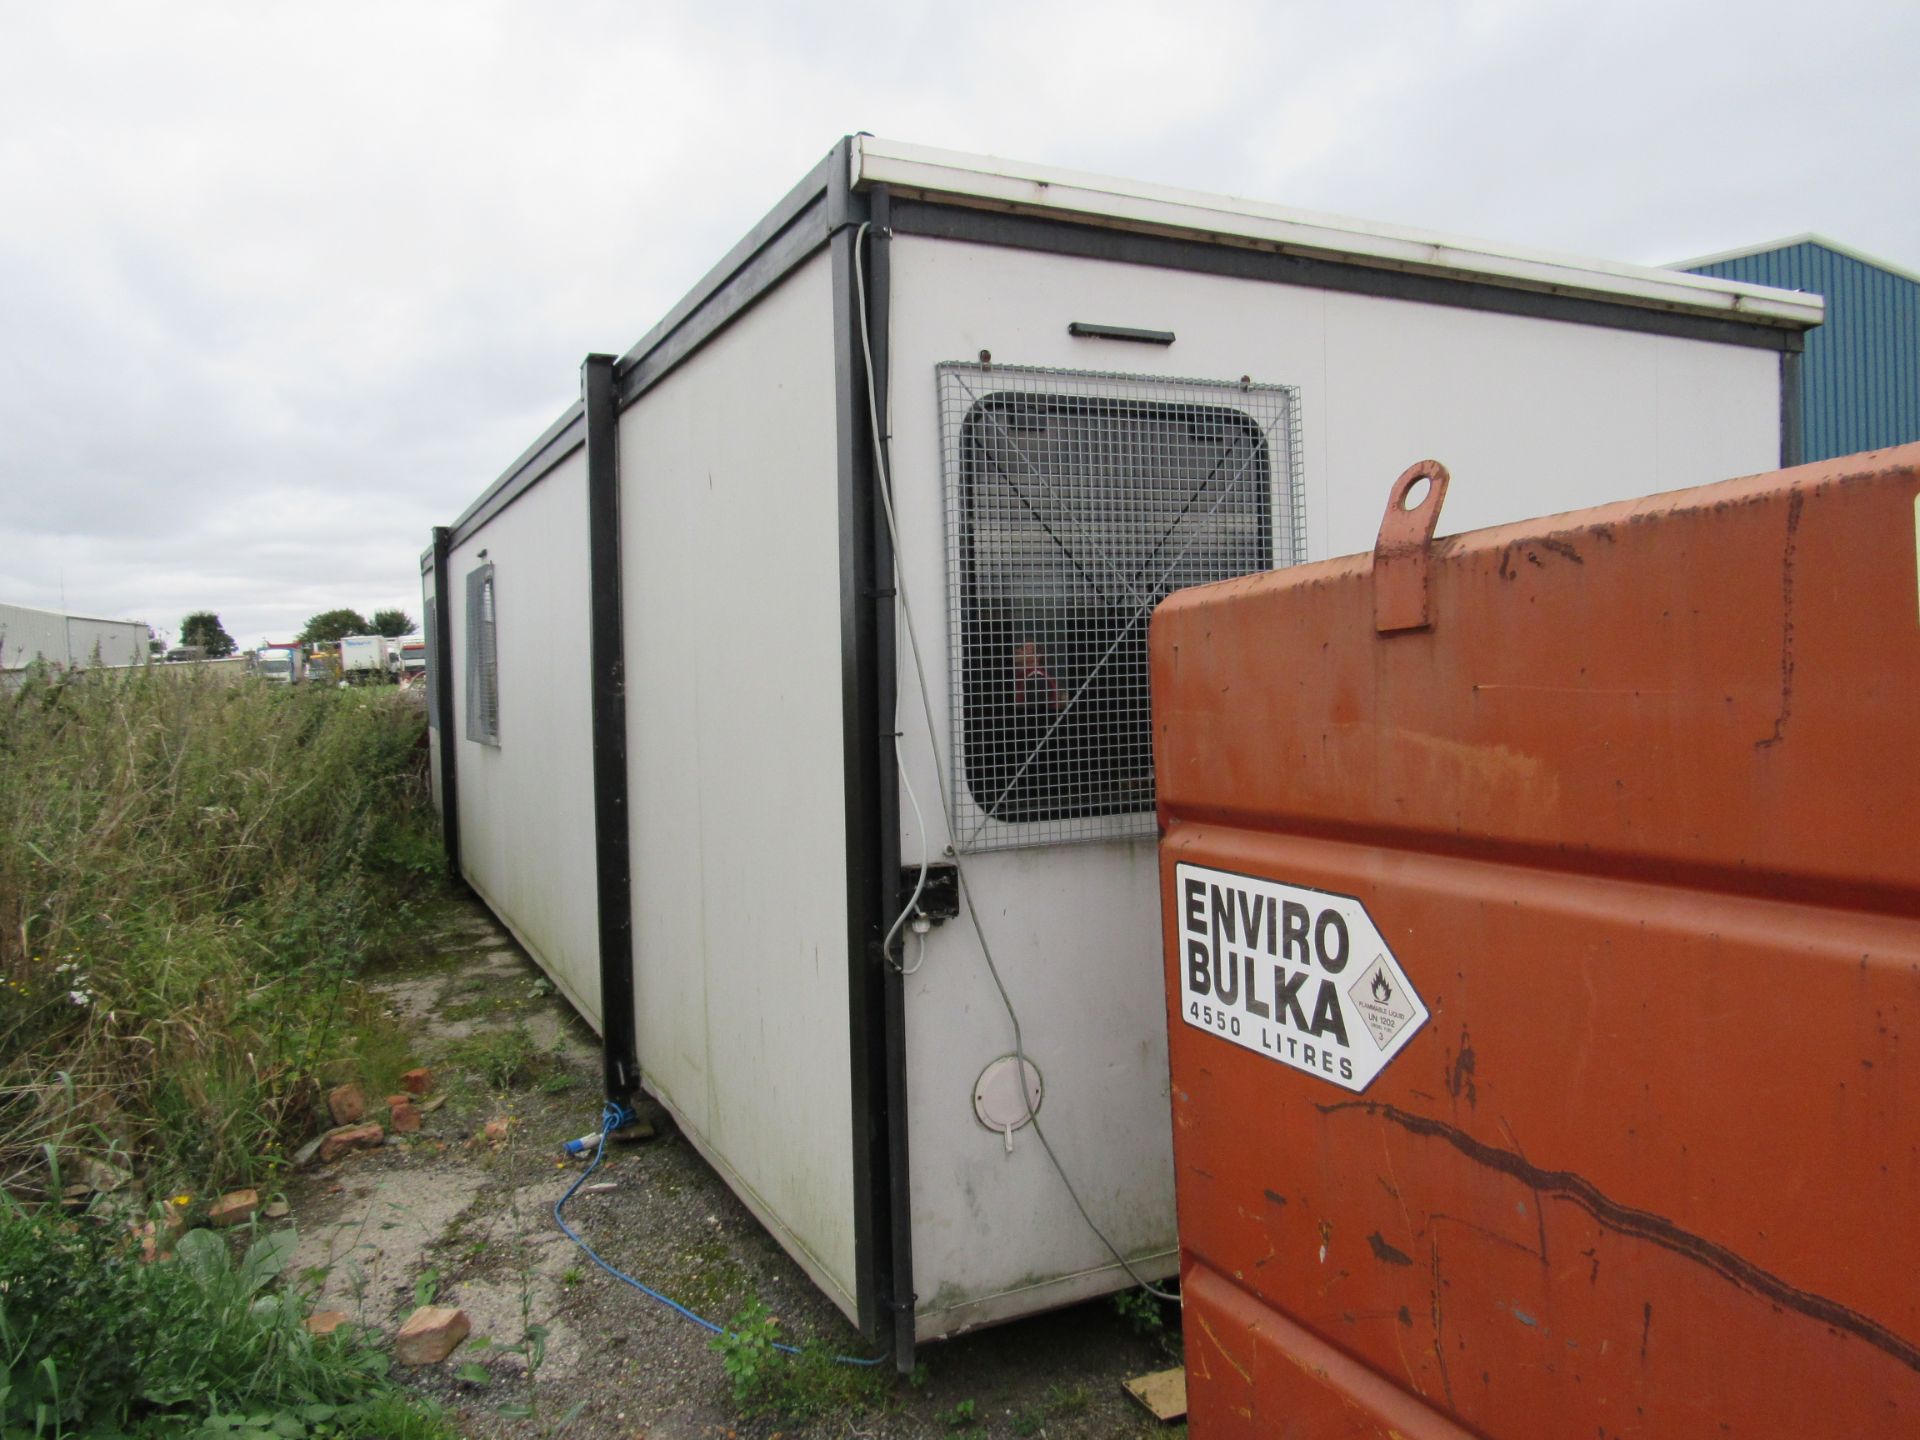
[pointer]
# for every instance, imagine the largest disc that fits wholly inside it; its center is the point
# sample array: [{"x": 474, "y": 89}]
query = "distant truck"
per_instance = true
[
  {"x": 365, "y": 659},
  {"x": 282, "y": 664},
  {"x": 411, "y": 657}
]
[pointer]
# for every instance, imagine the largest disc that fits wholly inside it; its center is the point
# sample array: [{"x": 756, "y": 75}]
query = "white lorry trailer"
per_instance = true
[{"x": 365, "y": 659}]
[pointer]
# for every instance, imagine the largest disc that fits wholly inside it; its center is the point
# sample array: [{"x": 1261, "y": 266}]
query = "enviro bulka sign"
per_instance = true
[{"x": 1300, "y": 976}]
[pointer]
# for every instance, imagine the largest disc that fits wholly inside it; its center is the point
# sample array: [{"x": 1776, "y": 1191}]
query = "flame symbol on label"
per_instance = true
[{"x": 1382, "y": 991}]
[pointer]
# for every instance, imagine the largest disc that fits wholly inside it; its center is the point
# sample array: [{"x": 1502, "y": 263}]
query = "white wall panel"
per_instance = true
[
  {"x": 28, "y": 634},
  {"x": 1532, "y": 416},
  {"x": 105, "y": 642},
  {"x": 729, "y": 528},
  {"x": 526, "y": 805}
]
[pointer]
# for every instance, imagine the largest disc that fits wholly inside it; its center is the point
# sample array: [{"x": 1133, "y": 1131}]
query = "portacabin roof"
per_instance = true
[{"x": 952, "y": 177}]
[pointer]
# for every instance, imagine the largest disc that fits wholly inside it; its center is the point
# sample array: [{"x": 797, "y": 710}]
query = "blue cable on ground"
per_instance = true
[{"x": 612, "y": 1118}]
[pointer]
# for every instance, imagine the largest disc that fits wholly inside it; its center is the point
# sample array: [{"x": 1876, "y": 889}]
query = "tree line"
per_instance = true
[{"x": 203, "y": 628}]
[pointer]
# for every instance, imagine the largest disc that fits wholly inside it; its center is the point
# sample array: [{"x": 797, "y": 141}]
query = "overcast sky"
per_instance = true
[{"x": 283, "y": 286}]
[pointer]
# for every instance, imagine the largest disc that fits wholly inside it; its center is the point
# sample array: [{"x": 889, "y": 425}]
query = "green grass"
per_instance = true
[
  {"x": 95, "y": 1342},
  {"x": 807, "y": 1386},
  {"x": 505, "y": 1059},
  {"x": 192, "y": 872}
]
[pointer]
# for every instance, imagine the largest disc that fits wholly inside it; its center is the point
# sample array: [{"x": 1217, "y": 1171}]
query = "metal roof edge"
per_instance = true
[
  {"x": 573, "y": 415},
  {"x": 812, "y": 187},
  {"x": 1037, "y": 189},
  {"x": 69, "y": 615},
  {"x": 1806, "y": 238},
  {"x": 545, "y": 453}
]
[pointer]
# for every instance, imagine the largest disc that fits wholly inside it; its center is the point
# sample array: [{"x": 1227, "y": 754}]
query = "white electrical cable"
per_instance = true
[
  {"x": 920, "y": 824},
  {"x": 933, "y": 741}
]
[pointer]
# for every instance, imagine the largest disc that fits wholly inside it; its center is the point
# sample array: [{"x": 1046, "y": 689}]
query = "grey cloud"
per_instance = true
[{"x": 281, "y": 287}]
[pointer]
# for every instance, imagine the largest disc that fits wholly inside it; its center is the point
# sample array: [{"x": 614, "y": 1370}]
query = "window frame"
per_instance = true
[{"x": 483, "y": 656}]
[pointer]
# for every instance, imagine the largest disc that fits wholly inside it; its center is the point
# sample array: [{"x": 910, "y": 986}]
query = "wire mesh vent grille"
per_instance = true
[
  {"x": 1076, "y": 502},
  {"x": 483, "y": 659}
]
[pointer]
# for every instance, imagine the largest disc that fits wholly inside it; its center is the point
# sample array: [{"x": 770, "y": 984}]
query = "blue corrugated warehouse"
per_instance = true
[{"x": 1860, "y": 375}]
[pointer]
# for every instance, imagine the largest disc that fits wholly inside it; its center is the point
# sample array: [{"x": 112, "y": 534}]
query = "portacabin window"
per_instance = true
[
  {"x": 1076, "y": 502},
  {"x": 483, "y": 656}
]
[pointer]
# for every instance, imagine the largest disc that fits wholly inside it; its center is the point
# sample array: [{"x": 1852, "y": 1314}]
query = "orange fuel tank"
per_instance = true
[{"x": 1542, "y": 914}]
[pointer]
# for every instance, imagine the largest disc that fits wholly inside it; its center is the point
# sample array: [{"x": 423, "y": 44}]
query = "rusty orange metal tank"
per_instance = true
[{"x": 1542, "y": 914}]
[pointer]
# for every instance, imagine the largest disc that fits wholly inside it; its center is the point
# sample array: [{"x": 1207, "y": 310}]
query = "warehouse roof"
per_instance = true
[{"x": 1769, "y": 247}]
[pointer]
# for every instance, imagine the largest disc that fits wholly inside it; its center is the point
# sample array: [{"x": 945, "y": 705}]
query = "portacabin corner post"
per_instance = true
[{"x": 608, "y": 698}]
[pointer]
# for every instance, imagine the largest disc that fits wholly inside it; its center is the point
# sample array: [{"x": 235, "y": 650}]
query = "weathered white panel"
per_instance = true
[
  {"x": 526, "y": 805},
  {"x": 105, "y": 642},
  {"x": 27, "y": 635},
  {"x": 1532, "y": 416},
  {"x": 729, "y": 529},
  {"x": 75, "y": 641}
]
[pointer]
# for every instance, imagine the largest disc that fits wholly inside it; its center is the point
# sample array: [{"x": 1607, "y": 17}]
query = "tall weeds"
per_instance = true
[{"x": 191, "y": 870}]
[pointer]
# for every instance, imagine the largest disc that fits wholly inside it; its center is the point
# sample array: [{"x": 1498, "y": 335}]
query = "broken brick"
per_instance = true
[
  {"x": 325, "y": 1322},
  {"x": 406, "y": 1119},
  {"x": 346, "y": 1104},
  {"x": 430, "y": 1335},
  {"x": 336, "y": 1143},
  {"x": 417, "y": 1082},
  {"x": 233, "y": 1208}
]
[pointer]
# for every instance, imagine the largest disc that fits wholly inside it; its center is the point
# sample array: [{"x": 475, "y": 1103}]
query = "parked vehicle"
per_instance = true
[
  {"x": 409, "y": 656},
  {"x": 282, "y": 664},
  {"x": 365, "y": 659}
]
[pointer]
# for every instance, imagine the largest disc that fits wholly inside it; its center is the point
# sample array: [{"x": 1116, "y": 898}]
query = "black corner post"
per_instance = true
[
  {"x": 442, "y": 662},
  {"x": 889, "y": 881},
  {"x": 608, "y": 689},
  {"x": 1792, "y": 441},
  {"x": 882, "y": 1215}
]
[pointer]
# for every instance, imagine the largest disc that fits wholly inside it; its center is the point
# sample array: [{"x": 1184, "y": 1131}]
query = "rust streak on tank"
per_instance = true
[{"x": 1644, "y": 1225}]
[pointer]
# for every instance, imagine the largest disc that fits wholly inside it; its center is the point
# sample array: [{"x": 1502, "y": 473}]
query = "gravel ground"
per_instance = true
[{"x": 470, "y": 1220}]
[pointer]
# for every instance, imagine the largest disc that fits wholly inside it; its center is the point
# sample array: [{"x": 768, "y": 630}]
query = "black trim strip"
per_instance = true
[
  {"x": 876, "y": 1171},
  {"x": 897, "y": 1285},
  {"x": 822, "y": 203},
  {"x": 443, "y": 701},
  {"x": 649, "y": 365},
  {"x": 1792, "y": 434},
  {"x": 561, "y": 439},
  {"x": 608, "y": 690},
  {"x": 1092, "y": 242},
  {"x": 1090, "y": 330},
  {"x": 787, "y": 235}
]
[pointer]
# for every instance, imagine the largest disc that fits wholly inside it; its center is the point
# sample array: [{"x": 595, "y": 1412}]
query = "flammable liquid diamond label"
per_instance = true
[{"x": 1382, "y": 1000}]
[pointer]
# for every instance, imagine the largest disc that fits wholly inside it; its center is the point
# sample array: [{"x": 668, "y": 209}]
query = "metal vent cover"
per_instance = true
[
  {"x": 483, "y": 657},
  {"x": 1075, "y": 503}
]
